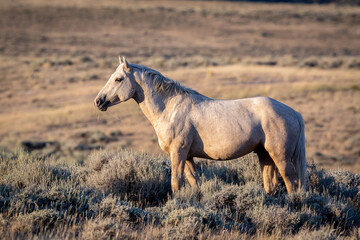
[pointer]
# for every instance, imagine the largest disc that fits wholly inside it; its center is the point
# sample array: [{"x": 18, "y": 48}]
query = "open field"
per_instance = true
[{"x": 55, "y": 57}]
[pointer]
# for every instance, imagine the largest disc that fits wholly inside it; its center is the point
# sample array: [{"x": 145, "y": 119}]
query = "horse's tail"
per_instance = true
[{"x": 299, "y": 157}]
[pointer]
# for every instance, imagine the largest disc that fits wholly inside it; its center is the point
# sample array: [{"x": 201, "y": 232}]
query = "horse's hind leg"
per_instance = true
[
  {"x": 287, "y": 171},
  {"x": 191, "y": 173},
  {"x": 269, "y": 171}
]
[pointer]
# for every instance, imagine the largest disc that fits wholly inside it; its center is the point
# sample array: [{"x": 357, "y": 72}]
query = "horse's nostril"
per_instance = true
[{"x": 98, "y": 101}]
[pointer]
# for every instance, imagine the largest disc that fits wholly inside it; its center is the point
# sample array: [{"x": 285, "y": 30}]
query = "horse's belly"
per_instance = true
[{"x": 223, "y": 150}]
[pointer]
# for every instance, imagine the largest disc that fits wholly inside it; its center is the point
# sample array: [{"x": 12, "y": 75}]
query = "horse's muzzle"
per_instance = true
[{"x": 101, "y": 103}]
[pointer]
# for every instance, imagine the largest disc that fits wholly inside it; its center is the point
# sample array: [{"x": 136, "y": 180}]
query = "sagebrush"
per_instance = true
[{"x": 127, "y": 194}]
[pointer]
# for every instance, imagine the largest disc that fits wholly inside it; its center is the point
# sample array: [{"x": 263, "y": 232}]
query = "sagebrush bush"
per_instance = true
[
  {"x": 100, "y": 228},
  {"x": 39, "y": 195},
  {"x": 35, "y": 222},
  {"x": 273, "y": 218},
  {"x": 132, "y": 175},
  {"x": 185, "y": 223},
  {"x": 4, "y": 224},
  {"x": 238, "y": 171},
  {"x": 22, "y": 170},
  {"x": 127, "y": 195},
  {"x": 120, "y": 210},
  {"x": 249, "y": 196}
]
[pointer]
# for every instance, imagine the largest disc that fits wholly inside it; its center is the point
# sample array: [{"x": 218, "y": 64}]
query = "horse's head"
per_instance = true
[{"x": 119, "y": 88}]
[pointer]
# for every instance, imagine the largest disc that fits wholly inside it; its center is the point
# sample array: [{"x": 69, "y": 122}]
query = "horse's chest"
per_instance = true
[
  {"x": 164, "y": 145},
  {"x": 172, "y": 137},
  {"x": 164, "y": 139}
]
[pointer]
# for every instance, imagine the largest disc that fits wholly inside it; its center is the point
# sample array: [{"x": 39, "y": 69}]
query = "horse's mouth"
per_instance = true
[
  {"x": 103, "y": 109},
  {"x": 104, "y": 106},
  {"x": 107, "y": 104}
]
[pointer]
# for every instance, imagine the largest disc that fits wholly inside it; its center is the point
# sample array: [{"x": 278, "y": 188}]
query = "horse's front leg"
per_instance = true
[
  {"x": 178, "y": 159},
  {"x": 191, "y": 173}
]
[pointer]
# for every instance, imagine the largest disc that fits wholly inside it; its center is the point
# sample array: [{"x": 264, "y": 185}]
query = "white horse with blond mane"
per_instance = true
[{"x": 190, "y": 125}]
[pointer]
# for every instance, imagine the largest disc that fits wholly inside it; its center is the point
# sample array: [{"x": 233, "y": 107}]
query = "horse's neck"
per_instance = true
[{"x": 151, "y": 103}]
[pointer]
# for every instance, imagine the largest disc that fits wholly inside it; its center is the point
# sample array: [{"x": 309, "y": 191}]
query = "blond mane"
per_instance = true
[{"x": 161, "y": 83}]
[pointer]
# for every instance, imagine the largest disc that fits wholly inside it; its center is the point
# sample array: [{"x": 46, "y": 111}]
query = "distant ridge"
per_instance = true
[{"x": 339, "y": 2}]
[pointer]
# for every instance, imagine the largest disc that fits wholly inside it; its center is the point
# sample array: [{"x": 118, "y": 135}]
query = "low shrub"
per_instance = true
[
  {"x": 35, "y": 222},
  {"x": 273, "y": 219},
  {"x": 100, "y": 228},
  {"x": 133, "y": 176}
]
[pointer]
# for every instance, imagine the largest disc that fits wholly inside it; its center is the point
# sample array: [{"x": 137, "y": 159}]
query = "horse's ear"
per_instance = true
[
  {"x": 120, "y": 61},
  {"x": 126, "y": 64}
]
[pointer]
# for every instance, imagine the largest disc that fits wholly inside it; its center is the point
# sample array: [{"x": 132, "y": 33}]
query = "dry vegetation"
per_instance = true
[
  {"x": 54, "y": 58},
  {"x": 127, "y": 195}
]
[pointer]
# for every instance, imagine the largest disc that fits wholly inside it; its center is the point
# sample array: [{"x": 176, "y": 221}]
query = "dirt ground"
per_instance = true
[{"x": 55, "y": 56}]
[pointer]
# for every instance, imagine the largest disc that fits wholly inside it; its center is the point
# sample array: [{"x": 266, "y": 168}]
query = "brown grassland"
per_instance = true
[{"x": 56, "y": 55}]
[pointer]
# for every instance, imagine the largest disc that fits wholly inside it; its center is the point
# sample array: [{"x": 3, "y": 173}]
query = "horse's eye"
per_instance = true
[{"x": 119, "y": 79}]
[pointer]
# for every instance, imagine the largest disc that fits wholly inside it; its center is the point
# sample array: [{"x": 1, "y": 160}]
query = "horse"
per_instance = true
[{"x": 189, "y": 124}]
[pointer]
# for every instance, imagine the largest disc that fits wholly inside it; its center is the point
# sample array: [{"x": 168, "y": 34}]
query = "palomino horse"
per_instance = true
[{"x": 190, "y": 125}]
